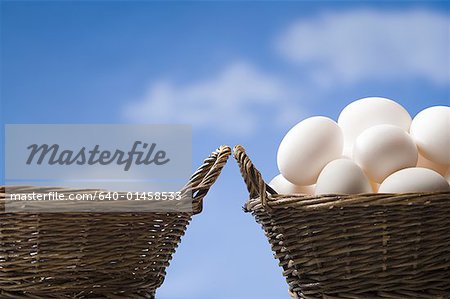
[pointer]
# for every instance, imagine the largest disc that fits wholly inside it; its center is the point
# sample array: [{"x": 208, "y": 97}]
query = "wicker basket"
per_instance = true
[
  {"x": 95, "y": 255},
  {"x": 355, "y": 246}
]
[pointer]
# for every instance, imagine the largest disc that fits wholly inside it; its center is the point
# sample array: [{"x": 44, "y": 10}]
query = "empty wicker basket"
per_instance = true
[
  {"x": 355, "y": 246},
  {"x": 95, "y": 255}
]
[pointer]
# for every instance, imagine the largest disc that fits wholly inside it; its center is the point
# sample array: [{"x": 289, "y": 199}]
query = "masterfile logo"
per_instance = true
[
  {"x": 146, "y": 158},
  {"x": 53, "y": 155}
]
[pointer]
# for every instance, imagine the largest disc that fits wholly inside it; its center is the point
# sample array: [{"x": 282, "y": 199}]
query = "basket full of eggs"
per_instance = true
[
  {"x": 361, "y": 207},
  {"x": 93, "y": 254}
]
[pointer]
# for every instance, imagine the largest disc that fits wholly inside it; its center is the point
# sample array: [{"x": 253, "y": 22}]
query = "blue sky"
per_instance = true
[{"x": 239, "y": 72}]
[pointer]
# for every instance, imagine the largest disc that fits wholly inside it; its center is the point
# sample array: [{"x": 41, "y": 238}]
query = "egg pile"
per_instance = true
[{"x": 374, "y": 146}]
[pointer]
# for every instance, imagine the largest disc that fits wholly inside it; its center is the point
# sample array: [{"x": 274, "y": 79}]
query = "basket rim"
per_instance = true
[
  {"x": 262, "y": 196},
  {"x": 330, "y": 201},
  {"x": 197, "y": 186}
]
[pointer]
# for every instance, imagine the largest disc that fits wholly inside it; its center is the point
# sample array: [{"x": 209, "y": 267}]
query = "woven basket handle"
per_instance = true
[
  {"x": 252, "y": 177},
  {"x": 205, "y": 176}
]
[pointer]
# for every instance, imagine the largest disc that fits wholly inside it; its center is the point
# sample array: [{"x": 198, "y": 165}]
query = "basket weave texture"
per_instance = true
[
  {"x": 95, "y": 255},
  {"x": 355, "y": 246}
]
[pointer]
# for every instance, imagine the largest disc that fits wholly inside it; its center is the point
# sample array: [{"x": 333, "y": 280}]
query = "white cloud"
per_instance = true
[
  {"x": 227, "y": 101},
  {"x": 352, "y": 46},
  {"x": 332, "y": 48}
]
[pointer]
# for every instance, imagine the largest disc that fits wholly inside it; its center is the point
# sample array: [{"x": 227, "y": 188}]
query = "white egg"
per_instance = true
[
  {"x": 447, "y": 176},
  {"x": 425, "y": 163},
  {"x": 368, "y": 112},
  {"x": 348, "y": 152},
  {"x": 307, "y": 148},
  {"x": 342, "y": 176},
  {"x": 283, "y": 186},
  {"x": 416, "y": 179},
  {"x": 383, "y": 150},
  {"x": 430, "y": 130}
]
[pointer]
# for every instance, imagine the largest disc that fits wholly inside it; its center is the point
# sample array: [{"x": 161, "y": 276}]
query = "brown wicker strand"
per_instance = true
[
  {"x": 202, "y": 180},
  {"x": 252, "y": 177}
]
